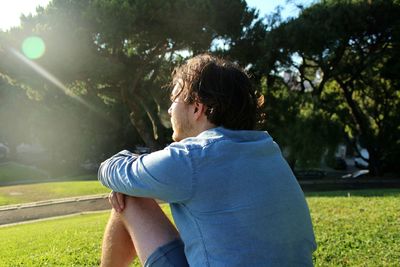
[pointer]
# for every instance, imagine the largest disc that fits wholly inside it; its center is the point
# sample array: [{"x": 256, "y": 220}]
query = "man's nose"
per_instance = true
[{"x": 170, "y": 110}]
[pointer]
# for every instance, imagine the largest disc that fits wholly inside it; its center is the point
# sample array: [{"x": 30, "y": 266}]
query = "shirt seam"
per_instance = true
[
  {"x": 194, "y": 185},
  {"x": 201, "y": 236},
  {"x": 192, "y": 147},
  {"x": 194, "y": 180}
]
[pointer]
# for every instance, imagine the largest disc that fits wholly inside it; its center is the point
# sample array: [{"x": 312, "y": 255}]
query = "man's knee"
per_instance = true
[
  {"x": 138, "y": 200},
  {"x": 139, "y": 205},
  {"x": 141, "y": 212}
]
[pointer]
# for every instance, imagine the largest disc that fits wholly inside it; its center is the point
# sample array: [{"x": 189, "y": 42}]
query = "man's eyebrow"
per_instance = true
[{"x": 172, "y": 97}]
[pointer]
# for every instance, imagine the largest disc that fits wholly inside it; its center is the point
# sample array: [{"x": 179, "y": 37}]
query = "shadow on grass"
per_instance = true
[
  {"x": 13, "y": 173},
  {"x": 356, "y": 193}
]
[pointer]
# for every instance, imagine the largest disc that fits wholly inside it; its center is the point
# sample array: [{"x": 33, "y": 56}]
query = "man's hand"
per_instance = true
[{"x": 117, "y": 201}]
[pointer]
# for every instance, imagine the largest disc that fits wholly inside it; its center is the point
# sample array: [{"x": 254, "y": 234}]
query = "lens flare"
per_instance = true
[
  {"x": 51, "y": 78},
  {"x": 33, "y": 47}
]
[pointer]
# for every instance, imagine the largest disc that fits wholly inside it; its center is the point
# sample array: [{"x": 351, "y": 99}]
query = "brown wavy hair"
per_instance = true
[{"x": 223, "y": 87}]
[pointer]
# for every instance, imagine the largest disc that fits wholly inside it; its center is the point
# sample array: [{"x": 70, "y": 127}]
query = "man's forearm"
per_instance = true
[{"x": 113, "y": 172}]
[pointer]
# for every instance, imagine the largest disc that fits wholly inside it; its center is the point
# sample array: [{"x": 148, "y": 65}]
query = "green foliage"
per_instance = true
[
  {"x": 305, "y": 131},
  {"x": 122, "y": 52},
  {"x": 68, "y": 132},
  {"x": 110, "y": 59},
  {"x": 18, "y": 194},
  {"x": 345, "y": 54},
  {"x": 14, "y": 115}
]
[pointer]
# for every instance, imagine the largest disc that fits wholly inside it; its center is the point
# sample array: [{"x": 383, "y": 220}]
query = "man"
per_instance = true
[{"x": 233, "y": 197}]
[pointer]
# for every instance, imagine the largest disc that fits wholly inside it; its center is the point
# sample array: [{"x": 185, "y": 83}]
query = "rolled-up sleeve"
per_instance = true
[{"x": 166, "y": 174}]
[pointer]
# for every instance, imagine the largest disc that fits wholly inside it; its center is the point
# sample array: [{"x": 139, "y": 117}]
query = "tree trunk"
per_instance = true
[
  {"x": 144, "y": 131},
  {"x": 132, "y": 97},
  {"x": 148, "y": 126},
  {"x": 365, "y": 131},
  {"x": 374, "y": 161}
]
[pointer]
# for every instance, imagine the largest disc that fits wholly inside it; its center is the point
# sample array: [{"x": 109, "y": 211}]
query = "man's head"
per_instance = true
[{"x": 217, "y": 89}]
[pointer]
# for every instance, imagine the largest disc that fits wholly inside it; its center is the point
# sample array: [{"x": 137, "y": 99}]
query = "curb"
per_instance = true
[
  {"x": 53, "y": 202},
  {"x": 52, "y": 208},
  {"x": 53, "y": 218}
]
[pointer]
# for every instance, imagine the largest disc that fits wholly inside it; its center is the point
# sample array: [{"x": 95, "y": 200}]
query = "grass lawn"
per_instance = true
[
  {"x": 356, "y": 228},
  {"x": 36, "y": 192},
  {"x": 353, "y": 228},
  {"x": 12, "y": 171},
  {"x": 70, "y": 241}
]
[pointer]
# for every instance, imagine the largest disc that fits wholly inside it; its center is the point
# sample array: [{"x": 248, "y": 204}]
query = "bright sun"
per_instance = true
[{"x": 11, "y": 10}]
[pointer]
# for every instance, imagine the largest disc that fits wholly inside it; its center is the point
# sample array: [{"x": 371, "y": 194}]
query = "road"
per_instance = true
[{"x": 57, "y": 207}]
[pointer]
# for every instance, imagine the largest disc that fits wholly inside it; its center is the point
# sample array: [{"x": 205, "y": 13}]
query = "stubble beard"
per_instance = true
[{"x": 182, "y": 130}]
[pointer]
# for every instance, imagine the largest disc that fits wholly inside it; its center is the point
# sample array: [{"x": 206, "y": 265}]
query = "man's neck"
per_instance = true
[{"x": 202, "y": 127}]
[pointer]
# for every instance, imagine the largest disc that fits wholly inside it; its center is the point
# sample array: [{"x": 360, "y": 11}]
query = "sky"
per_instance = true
[
  {"x": 268, "y": 6},
  {"x": 11, "y": 10}
]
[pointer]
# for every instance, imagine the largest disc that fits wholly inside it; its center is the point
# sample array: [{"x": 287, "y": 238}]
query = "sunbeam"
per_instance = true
[{"x": 51, "y": 78}]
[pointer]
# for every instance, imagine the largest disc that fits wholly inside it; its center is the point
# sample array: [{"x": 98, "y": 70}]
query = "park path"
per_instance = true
[
  {"x": 12, "y": 214},
  {"x": 26, "y": 212}
]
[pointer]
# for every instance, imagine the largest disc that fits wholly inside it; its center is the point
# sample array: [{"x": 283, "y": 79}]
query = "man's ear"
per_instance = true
[{"x": 198, "y": 110}]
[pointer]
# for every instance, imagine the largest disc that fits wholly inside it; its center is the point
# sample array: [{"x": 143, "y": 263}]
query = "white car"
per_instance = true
[
  {"x": 360, "y": 162},
  {"x": 355, "y": 174}
]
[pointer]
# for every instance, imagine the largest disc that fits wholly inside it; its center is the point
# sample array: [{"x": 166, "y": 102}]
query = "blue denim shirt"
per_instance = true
[{"x": 234, "y": 199}]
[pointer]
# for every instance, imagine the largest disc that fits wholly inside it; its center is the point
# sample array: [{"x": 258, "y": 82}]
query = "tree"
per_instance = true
[
  {"x": 68, "y": 132},
  {"x": 14, "y": 117},
  {"x": 124, "y": 51},
  {"x": 294, "y": 120},
  {"x": 346, "y": 55}
]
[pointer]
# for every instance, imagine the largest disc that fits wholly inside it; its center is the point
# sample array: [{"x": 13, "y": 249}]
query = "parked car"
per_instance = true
[
  {"x": 356, "y": 174},
  {"x": 361, "y": 162}
]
